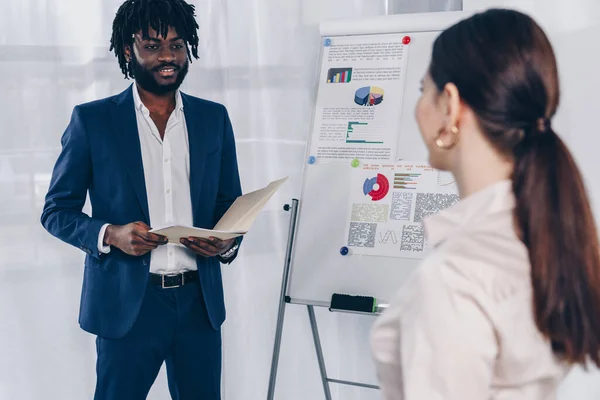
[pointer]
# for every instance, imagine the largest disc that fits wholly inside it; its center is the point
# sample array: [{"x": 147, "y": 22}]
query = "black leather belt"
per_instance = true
[{"x": 169, "y": 281}]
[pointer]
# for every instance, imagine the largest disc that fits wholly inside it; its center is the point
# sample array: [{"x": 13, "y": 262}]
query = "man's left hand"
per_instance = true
[{"x": 210, "y": 247}]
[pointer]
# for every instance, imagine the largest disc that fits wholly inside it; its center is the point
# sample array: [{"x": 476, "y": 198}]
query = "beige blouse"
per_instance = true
[{"x": 462, "y": 327}]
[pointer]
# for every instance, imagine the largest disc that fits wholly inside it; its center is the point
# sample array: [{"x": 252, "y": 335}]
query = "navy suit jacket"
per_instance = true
[{"x": 101, "y": 154}]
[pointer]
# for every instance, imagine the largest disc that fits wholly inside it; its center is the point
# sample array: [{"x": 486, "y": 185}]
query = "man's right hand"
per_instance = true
[{"x": 133, "y": 239}]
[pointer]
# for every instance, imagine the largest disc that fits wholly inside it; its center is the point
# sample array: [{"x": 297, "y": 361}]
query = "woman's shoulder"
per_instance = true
[{"x": 487, "y": 259}]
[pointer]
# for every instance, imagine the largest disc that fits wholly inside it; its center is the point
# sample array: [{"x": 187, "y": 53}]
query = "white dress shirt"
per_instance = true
[
  {"x": 462, "y": 327},
  {"x": 166, "y": 165}
]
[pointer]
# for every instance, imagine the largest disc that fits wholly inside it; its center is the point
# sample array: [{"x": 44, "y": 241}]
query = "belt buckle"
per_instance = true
[{"x": 172, "y": 286}]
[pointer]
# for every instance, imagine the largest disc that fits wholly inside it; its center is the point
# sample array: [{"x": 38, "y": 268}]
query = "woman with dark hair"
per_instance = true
[{"x": 509, "y": 297}]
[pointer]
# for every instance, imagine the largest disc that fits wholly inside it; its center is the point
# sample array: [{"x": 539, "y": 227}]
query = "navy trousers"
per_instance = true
[{"x": 172, "y": 327}]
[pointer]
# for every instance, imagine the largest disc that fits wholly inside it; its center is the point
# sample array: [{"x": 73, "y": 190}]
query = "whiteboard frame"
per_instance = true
[
  {"x": 398, "y": 23},
  {"x": 387, "y": 24}
]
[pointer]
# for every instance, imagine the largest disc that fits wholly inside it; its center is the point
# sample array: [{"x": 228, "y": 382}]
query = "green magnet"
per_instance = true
[{"x": 355, "y": 163}]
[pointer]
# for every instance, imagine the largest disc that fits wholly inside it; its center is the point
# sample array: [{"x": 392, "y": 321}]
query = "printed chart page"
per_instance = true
[
  {"x": 359, "y": 98},
  {"x": 388, "y": 204}
]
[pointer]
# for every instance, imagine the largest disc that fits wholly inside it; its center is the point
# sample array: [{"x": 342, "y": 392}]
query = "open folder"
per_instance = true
[{"x": 236, "y": 221}]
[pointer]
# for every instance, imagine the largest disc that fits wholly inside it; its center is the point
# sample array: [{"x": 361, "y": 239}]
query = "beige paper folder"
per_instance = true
[{"x": 237, "y": 221}]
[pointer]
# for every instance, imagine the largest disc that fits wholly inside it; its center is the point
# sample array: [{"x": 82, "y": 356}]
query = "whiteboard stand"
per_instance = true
[
  {"x": 354, "y": 54},
  {"x": 283, "y": 300}
]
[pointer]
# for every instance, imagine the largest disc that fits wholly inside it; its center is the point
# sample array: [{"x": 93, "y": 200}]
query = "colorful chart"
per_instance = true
[
  {"x": 339, "y": 75},
  {"x": 446, "y": 180},
  {"x": 369, "y": 96},
  {"x": 377, "y": 187},
  {"x": 405, "y": 180}
]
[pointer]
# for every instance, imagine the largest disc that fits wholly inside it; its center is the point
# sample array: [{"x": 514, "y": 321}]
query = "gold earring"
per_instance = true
[{"x": 439, "y": 143}]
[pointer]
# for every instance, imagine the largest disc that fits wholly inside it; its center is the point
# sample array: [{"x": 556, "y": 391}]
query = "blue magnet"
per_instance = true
[
  {"x": 344, "y": 251},
  {"x": 311, "y": 159},
  {"x": 327, "y": 42}
]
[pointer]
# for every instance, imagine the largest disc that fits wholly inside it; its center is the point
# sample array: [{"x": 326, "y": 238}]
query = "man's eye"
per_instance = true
[
  {"x": 178, "y": 46},
  {"x": 151, "y": 47}
]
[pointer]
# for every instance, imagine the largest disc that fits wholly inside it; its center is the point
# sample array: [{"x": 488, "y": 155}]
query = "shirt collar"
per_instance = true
[
  {"x": 137, "y": 101},
  {"x": 469, "y": 211}
]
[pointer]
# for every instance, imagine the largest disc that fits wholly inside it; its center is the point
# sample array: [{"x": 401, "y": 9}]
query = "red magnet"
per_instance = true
[{"x": 406, "y": 40}]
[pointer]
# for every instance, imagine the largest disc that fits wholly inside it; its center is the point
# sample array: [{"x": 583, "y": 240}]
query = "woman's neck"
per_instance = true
[{"x": 482, "y": 168}]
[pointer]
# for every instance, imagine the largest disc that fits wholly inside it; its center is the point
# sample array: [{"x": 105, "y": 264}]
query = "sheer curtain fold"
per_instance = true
[{"x": 258, "y": 57}]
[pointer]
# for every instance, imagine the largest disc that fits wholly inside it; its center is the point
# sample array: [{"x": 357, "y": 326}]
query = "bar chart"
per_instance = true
[
  {"x": 406, "y": 180},
  {"x": 364, "y": 133},
  {"x": 339, "y": 75}
]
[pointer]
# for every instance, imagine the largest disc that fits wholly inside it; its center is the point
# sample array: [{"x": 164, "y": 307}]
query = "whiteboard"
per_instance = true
[{"x": 318, "y": 269}]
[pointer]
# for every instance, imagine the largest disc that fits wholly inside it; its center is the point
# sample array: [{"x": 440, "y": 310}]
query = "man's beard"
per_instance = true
[{"x": 145, "y": 78}]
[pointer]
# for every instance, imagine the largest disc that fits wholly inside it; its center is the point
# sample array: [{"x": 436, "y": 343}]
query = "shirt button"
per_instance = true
[
  {"x": 168, "y": 191},
  {"x": 167, "y": 160}
]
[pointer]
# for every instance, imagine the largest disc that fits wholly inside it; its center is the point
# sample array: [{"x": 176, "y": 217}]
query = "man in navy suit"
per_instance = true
[{"x": 149, "y": 157}]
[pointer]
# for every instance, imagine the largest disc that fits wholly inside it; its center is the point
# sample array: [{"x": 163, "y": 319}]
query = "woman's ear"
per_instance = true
[{"x": 453, "y": 105}]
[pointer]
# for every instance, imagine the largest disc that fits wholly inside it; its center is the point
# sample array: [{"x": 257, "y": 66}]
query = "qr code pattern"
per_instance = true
[
  {"x": 413, "y": 238},
  {"x": 362, "y": 234},
  {"x": 432, "y": 203}
]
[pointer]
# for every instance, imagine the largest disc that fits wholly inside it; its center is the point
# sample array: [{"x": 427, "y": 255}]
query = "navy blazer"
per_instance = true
[{"x": 101, "y": 154}]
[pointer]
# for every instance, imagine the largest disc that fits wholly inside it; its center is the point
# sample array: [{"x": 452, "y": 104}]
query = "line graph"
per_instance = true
[{"x": 387, "y": 237}]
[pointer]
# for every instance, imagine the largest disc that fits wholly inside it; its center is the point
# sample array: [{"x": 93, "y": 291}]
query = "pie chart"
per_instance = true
[
  {"x": 368, "y": 96},
  {"x": 377, "y": 187}
]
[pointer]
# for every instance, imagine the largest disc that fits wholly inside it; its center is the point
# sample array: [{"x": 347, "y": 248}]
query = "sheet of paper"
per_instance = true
[
  {"x": 243, "y": 212},
  {"x": 359, "y": 98},
  {"x": 237, "y": 221},
  {"x": 388, "y": 205},
  {"x": 176, "y": 232}
]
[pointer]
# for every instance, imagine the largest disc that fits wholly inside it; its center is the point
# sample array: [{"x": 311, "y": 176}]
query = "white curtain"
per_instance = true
[{"x": 259, "y": 57}]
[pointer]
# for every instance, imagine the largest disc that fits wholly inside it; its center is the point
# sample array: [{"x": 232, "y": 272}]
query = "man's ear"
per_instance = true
[{"x": 127, "y": 52}]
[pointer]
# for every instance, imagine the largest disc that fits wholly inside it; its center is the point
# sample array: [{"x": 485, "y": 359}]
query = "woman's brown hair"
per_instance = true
[{"x": 505, "y": 70}]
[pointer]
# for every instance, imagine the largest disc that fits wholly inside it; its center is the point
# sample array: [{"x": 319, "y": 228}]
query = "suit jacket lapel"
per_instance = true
[
  {"x": 197, "y": 137},
  {"x": 124, "y": 124}
]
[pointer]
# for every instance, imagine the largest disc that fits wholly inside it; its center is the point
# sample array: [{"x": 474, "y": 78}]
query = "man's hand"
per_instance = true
[
  {"x": 133, "y": 239},
  {"x": 210, "y": 247}
]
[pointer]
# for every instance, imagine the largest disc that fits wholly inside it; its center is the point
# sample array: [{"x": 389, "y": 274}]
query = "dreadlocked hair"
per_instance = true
[{"x": 137, "y": 15}]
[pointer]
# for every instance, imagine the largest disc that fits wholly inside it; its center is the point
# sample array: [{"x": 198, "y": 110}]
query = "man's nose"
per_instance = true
[{"x": 166, "y": 54}]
